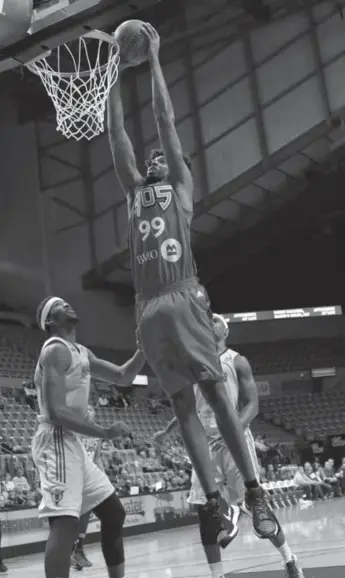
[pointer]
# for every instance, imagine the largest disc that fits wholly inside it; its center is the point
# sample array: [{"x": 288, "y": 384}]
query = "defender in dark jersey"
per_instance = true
[{"x": 172, "y": 308}]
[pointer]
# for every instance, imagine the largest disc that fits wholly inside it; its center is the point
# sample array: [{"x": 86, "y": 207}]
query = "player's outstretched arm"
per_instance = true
[
  {"x": 247, "y": 390},
  {"x": 98, "y": 457},
  {"x": 55, "y": 361},
  {"x": 120, "y": 144},
  {"x": 160, "y": 435},
  {"x": 179, "y": 173},
  {"x": 119, "y": 374}
]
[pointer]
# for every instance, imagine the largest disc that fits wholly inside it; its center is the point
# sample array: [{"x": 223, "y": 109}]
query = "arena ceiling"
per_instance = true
[{"x": 262, "y": 230}]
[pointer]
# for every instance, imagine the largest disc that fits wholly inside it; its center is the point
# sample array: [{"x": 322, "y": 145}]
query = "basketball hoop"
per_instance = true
[{"x": 78, "y": 80}]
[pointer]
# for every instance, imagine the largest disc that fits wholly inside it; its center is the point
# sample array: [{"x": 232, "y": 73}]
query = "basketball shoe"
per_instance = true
[
  {"x": 293, "y": 570},
  {"x": 264, "y": 523},
  {"x": 222, "y": 519},
  {"x": 79, "y": 558}
]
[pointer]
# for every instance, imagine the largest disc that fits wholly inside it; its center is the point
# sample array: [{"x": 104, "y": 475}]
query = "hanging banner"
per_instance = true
[{"x": 263, "y": 388}]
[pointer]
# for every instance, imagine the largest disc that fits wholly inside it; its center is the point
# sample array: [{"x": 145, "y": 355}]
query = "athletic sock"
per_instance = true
[
  {"x": 216, "y": 570},
  {"x": 78, "y": 545},
  {"x": 252, "y": 485},
  {"x": 285, "y": 553},
  {"x": 213, "y": 496}
]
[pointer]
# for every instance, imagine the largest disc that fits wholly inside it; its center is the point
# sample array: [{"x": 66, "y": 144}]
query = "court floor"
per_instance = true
[{"x": 316, "y": 534}]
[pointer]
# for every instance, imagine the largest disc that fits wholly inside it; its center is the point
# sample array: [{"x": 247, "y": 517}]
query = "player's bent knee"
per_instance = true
[
  {"x": 111, "y": 514},
  {"x": 208, "y": 530}
]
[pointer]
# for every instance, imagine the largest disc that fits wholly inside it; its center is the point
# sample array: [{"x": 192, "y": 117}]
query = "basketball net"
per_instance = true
[{"x": 80, "y": 96}]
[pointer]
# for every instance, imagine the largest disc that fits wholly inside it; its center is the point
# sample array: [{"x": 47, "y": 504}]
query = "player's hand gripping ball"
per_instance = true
[{"x": 153, "y": 39}]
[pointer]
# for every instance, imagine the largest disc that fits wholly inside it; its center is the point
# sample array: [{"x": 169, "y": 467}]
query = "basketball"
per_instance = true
[{"x": 133, "y": 44}]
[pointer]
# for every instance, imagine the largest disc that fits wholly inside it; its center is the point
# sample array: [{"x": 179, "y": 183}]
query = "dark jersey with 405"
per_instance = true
[{"x": 159, "y": 239}]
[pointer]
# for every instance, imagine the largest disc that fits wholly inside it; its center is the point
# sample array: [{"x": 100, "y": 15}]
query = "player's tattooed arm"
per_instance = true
[
  {"x": 247, "y": 391},
  {"x": 179, "y": 173},
  {"x": 117, "y": 374},
  {"x": 121, "y": 146},
  {"x": 55, "y": 361}
]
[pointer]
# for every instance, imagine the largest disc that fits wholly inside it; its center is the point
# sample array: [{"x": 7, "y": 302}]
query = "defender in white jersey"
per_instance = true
[
  {"x": 242, "y": 393},
  {"x": 71, "y": 483}
]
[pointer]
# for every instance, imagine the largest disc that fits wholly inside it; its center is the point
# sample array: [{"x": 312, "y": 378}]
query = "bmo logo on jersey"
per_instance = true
[
  {"x": 171, "y": 250},
  {"x": 147, "y": 256}
]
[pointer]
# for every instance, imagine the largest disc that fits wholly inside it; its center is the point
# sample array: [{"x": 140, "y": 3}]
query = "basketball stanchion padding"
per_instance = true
[{"x": 15, "y": 20}]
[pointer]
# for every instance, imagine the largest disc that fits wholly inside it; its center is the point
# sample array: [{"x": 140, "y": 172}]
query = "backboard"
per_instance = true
[{"x": 56, "y": 22}]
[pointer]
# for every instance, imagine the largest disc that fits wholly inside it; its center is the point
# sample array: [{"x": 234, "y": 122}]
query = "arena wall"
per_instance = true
[{"x": 45, "y": 232}]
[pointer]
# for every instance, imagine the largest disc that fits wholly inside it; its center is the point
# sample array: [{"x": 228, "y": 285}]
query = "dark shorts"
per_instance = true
[{"x": 177, "y": 338}]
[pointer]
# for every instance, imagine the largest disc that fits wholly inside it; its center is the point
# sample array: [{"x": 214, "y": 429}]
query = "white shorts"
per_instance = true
[
  {"x": 228, "y": 477},
  {"x": 71, "y": 483}
]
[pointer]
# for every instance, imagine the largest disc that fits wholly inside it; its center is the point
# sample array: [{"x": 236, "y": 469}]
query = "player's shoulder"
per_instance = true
[
  {"x": 55, "y": 353},
  {"x": 229, "y": 355},
  {"x": 241, "y": 363}
]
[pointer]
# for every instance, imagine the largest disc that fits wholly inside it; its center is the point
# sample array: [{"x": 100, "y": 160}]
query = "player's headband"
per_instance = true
[
  {"x": 46, "y": 310},
  {"x": 223, "y": 320}
]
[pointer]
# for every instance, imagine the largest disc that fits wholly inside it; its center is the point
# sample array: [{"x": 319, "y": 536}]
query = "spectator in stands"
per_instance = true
[
  {"x": 330, "y": 478},
  {"x": 316, "y": 464},
  {"x": 20, "y": 481},
  {"x": 8, "y": 484},
  {"x": 341, "y": 476},
  {"x": 143, "y": 460},
  {"x": 142, "y": 485},
  {"x": 35, "y": 495},
  {"x": 270, "y": 473},
  {"x": 272, "y": 454},
  {"x": 331, "y": 465},
  {"x": 320, "y": 489},
  {"x": 153, "y": 464},
  {"x": 11, "y": 499},
  {"x": 2, "y": 402},
  {"x": 128, "y": 444},
  {"x": 304, "y": 483}
]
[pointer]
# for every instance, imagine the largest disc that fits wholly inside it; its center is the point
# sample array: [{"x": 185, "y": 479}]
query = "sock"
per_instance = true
[
  {"x": 251, "y": 485},
  {"x": 213, "y": 496},
  {"x": 217, "y": 570},
  {"x": 116, "y": 571},
  {"x": 80, "y": 542},
  {"x": 285, "y": 553}
]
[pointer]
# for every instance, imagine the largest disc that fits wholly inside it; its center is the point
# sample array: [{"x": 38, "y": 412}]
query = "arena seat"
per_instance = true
[{"x": 310, "y": 415}]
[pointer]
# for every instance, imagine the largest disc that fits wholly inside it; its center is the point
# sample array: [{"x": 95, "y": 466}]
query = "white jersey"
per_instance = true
[
  {"x": 77, "y": 380},
  {"x": 205, "y": 413},
  {"x": 226, "y": 473}
]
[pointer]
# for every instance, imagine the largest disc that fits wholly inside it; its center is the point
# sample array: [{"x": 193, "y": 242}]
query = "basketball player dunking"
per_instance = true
[
  {"x": 71, "y": 483},
  {"x": 242, "y": 394},
  {"x": 172, "y": 308}
]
